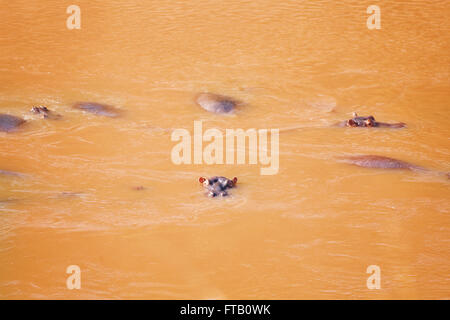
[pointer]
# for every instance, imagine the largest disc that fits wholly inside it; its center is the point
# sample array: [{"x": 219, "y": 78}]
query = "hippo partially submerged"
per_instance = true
[
  {"x": 217, "y": 186},
  {"x": 10, "y": 173},
  {"x": 380, "y": 162},
  {"x": 10, "y": 123},
  {"x": 369, "y": 122},
  {"x": 45, "y": 113},
  {"x": 98, "y": 109},
  {"x": 216, "y": 103}
]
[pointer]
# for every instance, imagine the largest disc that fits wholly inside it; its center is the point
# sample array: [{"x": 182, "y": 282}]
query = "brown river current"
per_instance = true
[{"x": 103, "y": 193}]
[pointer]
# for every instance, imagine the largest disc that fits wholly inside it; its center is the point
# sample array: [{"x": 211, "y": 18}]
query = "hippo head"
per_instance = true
[
  {"x": 361, "y": 121},
  {"x": 45, "y": 112},
  {"x": 40, "y": 110},
  {"x": 217, "y": 186},
  {"x": 223, "y": 182}
]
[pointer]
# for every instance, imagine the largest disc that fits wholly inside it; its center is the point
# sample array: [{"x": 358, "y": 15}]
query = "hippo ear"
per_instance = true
[
  {"x": 201, "y": 180},
  {"x": 371, "y": 118},
  {"x": 234, "y": 180}
]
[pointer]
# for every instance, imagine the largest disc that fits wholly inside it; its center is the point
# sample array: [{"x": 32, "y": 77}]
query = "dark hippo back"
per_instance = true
[
  {"x": 10, "y": 173},
  {"x": 373, "y": 161},
  {"x": 98, "y": 109},
  {"x": 10, "y": 123},
  {"x": 216, "y": 103}
]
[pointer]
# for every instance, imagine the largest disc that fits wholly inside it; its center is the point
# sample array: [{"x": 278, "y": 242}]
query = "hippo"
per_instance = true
[
  {"x": 216, "y": 103},
  {"x": 217, "y": 186},
  {"x": 98, "y": 109},
  {"x": 368, "y": 122},
  {"x": 45, "y": 113},
  {"x": 380, "y": 162},
  {"x": 10, "y": 123},
  {"x": 10, "y": 173}
]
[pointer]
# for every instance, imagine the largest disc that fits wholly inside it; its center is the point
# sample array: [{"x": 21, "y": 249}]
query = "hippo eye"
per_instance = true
[{"x": 368, "y": 123}]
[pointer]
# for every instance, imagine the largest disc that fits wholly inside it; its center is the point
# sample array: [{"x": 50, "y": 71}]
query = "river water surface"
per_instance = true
[{"x": 309, "y": 231}]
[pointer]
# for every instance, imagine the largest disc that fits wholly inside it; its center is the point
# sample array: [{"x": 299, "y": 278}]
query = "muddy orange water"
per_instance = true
[{"x": 309, "y": 231}]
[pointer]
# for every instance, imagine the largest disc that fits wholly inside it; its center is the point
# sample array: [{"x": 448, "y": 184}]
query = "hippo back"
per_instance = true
[
  {"x": 216, "y": 103},
  {"x": 10, "y": 123},
  {"x": 98, "y": 109}
]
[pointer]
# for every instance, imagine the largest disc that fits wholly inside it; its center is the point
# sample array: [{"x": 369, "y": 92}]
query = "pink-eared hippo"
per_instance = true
[
  {"x": 45, "y": 113},
  {"x": 217, "y": 186},
  {"x": 369, "y": 122}
]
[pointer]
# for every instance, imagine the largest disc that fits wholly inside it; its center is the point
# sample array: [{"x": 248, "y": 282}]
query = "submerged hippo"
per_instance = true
[
  {"x": 380, "y": 162},
  {"x": 216, "y": 103},
  {"x": 10, "y": 123},
  {"x": 98, "y": 109},
  {"x": 217, "y": 186},
  {"x": 369, "y": 122},
  {"x": 45, "y": 113},
  {"x": 10, "y": 173}
]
